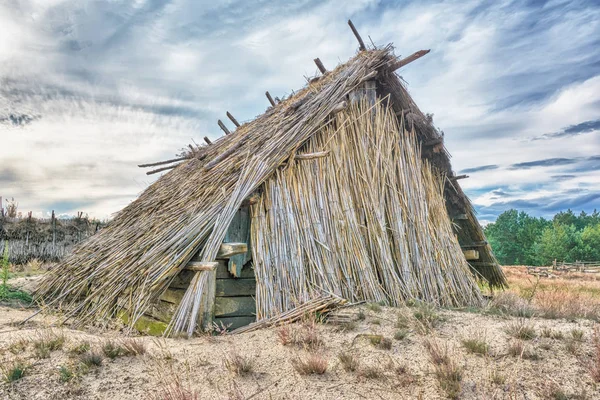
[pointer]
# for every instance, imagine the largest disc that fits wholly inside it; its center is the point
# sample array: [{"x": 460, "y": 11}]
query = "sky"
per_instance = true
[{"x": 90, "y": 89}]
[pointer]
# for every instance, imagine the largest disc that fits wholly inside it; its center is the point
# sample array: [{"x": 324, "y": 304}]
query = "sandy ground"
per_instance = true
[{"x": 199, "y": 362}]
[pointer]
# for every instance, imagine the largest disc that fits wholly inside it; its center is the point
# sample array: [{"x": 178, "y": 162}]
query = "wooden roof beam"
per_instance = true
[
  {"x": 455, "y": 178},
  {"x": 223, "y": 127},
  {"x": 207, "y": 140},
  {"x": 320, "y": 65},
  {"x": 232, "y": 118},
  {"x": 401, "y": 63},
  {"x": 270, "y": 98},
  {"x": 361, "y": 44},
  {"x": 163, "y": 162}
]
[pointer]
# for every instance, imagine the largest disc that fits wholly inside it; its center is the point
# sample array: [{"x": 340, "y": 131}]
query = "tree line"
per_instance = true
[{"x": 520, "y": 239}]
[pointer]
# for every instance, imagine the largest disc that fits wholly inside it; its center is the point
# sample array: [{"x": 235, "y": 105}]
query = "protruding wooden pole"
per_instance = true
[
  {"x": 401, "y": 63},
  {"x": 163, "y": 162},
  {"x": 231, "y": 117},
  {"x": 455, "y": 178},
  {"x": 223, "y": 127},
  {"x": 207, "y": 140},
  {"x": 361, "y": 44},
  {"x": 270, "y": 98},
  {"x": 320, "y": 65}
]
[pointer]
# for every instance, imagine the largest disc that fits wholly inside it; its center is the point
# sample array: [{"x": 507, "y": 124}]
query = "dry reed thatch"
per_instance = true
[{"x": 129, "y": 264}]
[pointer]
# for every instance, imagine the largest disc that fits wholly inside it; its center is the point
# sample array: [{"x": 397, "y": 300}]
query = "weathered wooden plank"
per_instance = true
[
  {"x": 239, "y": 232},
  {"x": 475, "y": 244},
  {"x": 228, "y": 250},
  {"x": 232, "y": 323},
  {"x": 235, "y": 287},
  {"x": 201, "y": 265},
  {"x": 471, "y": 254},
  {"x": 209, "y": 297},
  {"x": 235, "y": 306}
]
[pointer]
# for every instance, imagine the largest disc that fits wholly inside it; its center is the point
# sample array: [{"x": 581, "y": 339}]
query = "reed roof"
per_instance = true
[{"x": 149, "y": 241}]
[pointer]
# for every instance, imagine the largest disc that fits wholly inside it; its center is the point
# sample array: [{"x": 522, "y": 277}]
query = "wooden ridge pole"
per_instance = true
[
  {"x": 207, "y": 140},
  {"x": 361, "y": 44}
]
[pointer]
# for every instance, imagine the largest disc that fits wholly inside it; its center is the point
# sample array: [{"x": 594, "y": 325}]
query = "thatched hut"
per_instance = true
[{"x": 344, "y": 188}]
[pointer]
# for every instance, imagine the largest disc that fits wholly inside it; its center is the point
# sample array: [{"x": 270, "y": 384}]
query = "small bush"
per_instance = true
[
  {"x": 349, "y": 362},
  {"x": 65, "y": 374},
  {"x": 374, "y": 307},
  {"x": 313, "y": 364},
  {"x": 238, "y": 364},
  {"x": 577, "y": 334},
  {"x": 13, "y": 371},
  {"x": 91, "y": 359},
  {"x": 476, "y": 345},
  {"x": 521, "y": 329},
  {"x": 401, "y": 334}
]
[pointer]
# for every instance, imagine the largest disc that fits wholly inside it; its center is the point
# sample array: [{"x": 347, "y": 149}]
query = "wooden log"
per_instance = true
[
  {"x": 471, "y": 254},
  {"x": 401, "y": 63},
  {"x": 361, "y": 44},
  {"x": 270, "y": 98},
  {"x": 320, "y": 65},
  {"x": 235, "y": 306},
  {"x": 223, "y": 127},
  {"x": 232, "y": 118},
  {"x": 201, "y": 265},
  {"x": 235, "y": 287},
  {"x": 207, "y": 140},
  {"x": 163, "y": 162},
  {"x": 231, "y": 249}
]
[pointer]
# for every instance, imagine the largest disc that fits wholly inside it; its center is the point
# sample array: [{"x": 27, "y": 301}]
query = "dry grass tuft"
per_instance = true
[
  {"x": 174, "y": 391},
  {"x": 80, "y": 348},
  {"x": 349, "y": 362},
  {"x": 510, "y": 303},
  {"x": 312, "y": 364},
  {"x": 476, "y": 344},
  {"x": 13, "y": 370},
  {"x": 46, "y": 342},
  {"x": 521, "y": 329},
  {"x": 91, "y": 359},
  {"x": 448, "y": 373},
  {"x": 133, "y": 347},
  {"x": 18, "y": 346},
  {"x": 577, "y": 335},
  {"x": 427, "y": 318},
  {"x": 370, "y": 372},
  {"x": 401, "y": 334},
  {"x": 594, "y": 365},
  {"x": 517, "y": 348},
  {"x": 238, "y": 364}
]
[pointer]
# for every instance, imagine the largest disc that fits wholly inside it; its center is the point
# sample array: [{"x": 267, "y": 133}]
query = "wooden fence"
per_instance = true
[
  {"x": 590, "y": 267},
  {"x": 47, "y": 239}
]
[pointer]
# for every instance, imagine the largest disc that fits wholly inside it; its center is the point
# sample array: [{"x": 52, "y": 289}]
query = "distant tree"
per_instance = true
[
  {"x": 557, "y": 242},
  {"x": 590, "y": 243}
]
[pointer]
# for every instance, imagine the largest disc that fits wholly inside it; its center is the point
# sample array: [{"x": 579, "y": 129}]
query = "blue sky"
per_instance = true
[{"x": 88, "y": 90}]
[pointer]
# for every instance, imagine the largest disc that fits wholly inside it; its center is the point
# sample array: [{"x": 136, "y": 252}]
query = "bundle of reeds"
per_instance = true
[{"x": 367, "y": 222}]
